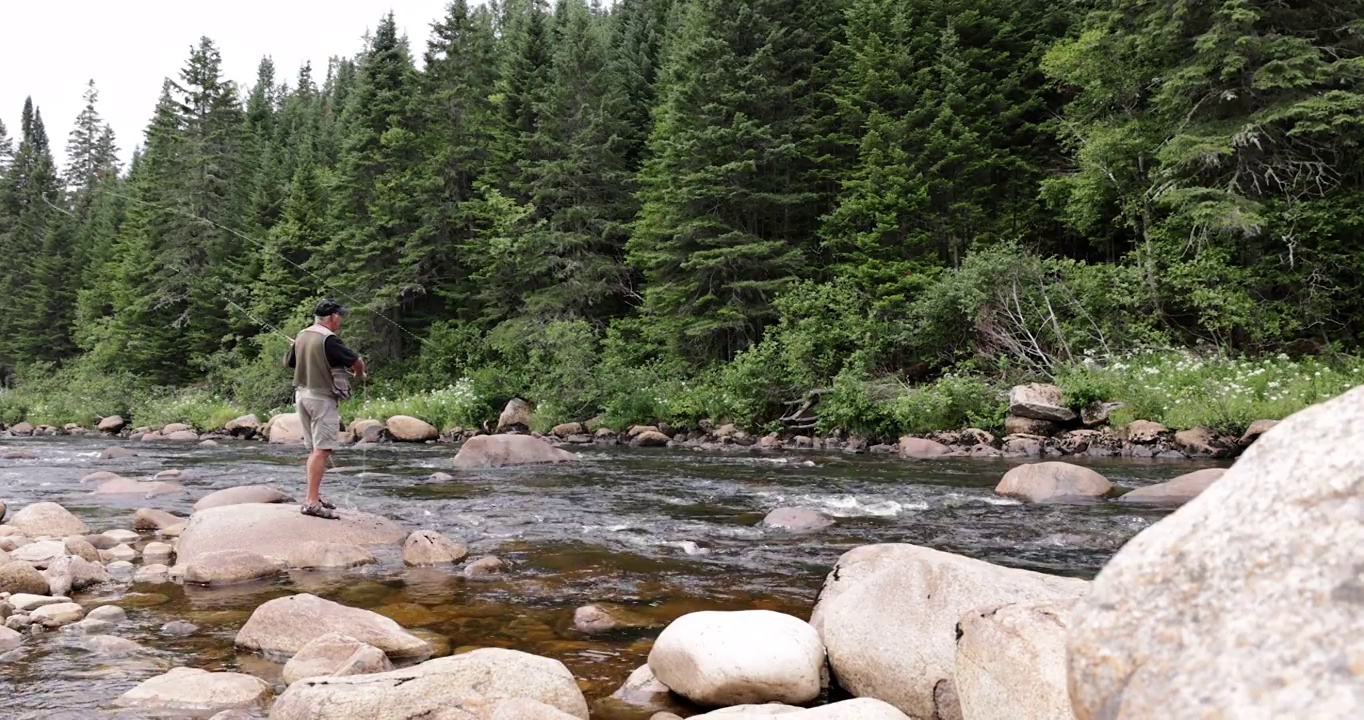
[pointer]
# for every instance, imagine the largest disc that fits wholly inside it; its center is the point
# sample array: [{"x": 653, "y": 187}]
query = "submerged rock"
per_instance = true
[
  {"x": 1175, "y": 492},
  {"x": 467, "y": 685},
  {"x": 799, "y": 520},
  {"x": 888, "y": 616},
  {"x": 228, "y": 567},
  {"x": 1246, "y": 602},
  {"x": 124, "y": 486},
  {"x": 920, "y": 448},
  {"x": 733, "y": 658},
  {"x": 281, "y": 627},
  {"x": 858, "y": 709},
  {"x": 494, "y": 451},
  {"x": 1053, "y": 481},
  {"x": 485, "y": 567},
  {"x": 241, "y": 495},
  {"x": 274, "y": 530},
  {"x": 190, "y": 690},
  {"x": 602, "y": 618}
]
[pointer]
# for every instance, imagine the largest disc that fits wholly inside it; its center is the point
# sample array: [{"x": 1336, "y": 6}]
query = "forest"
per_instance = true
[{"x": 682, "y": 210}]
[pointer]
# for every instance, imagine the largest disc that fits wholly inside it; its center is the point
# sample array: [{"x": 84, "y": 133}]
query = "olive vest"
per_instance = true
[{"x": 311, "y": 369}]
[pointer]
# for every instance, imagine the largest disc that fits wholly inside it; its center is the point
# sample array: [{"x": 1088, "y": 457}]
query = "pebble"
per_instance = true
[
  {"x": 89, "y": 627},
  {"x": 122, "y": 536},
  {"x": 123, "y": 553},
  {"x": 179, "y": 628},
  {"x": 17, "y": 622},
  {"x": 108, "y": 613}
]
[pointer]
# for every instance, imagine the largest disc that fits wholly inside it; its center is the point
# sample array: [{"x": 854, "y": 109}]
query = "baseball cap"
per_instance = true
[{"x": 330, "y": 307}]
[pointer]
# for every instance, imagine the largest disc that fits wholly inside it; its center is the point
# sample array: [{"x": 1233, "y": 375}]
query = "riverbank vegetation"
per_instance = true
[{"x": 677, "y": 210}]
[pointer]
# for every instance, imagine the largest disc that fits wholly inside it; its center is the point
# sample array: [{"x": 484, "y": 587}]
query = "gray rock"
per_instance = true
[
  {"x": 798, "y": 520},
  {"x": 494, "y": 451},
  {"x": 275, "y": 530},
  {"x": 281, "y": 627},
  {"x": 335, "y": 655},
  {"x": 1052, "y": 482},
  {"x": 1246, "y": 602},
  {"x": 26, "y": 602},
  {"x": 1015, "y": 425},
  {"x": 1256, "y": 429},
  {"x": 40, "y": 554},
  {"x": 228, "y": 567},
  {"x": 88, "y": 627},
  {"x": 1011, "y": 662},
  {"x": 190, "y": 690},
  {"x": 20, "y": 577},
  {"x": 428, "y": 547},
  {"x": 57, "y": 615},
  {"x": 240, "y": 495},
  {"x": 1039, "y": 402},
  {"x": 179, "y": 628},
  {"x": 601, "y": 618},
  {"x": 733, "y": 658},
  {"x": 485, "y": 567},
  {"x": 1177, "y": 491},
  {"x": 515, "y": 416},
  {"x": 1145, "y": 432},
  {"x": 108, "y": 613},
  {"x": 404, "y": 428},
  {"x": 921, "y": 448}
]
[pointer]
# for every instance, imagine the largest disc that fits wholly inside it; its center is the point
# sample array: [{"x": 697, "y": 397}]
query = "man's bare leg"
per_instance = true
[{"x": 317, "y": 465}]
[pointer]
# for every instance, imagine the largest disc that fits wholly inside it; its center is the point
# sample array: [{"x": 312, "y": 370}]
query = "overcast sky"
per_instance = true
[{"x": 51, "y": 48}]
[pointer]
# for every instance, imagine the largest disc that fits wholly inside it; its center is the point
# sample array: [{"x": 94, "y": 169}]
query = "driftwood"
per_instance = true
[{"x": 803, "y": 415}]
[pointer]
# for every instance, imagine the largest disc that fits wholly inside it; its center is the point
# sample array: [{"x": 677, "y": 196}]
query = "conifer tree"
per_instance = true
[{"x": 91, "y": 152}]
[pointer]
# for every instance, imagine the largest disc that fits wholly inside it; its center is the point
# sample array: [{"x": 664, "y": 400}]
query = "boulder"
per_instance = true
[
  {"x": 22, "y": 429},
  {"x": 107, "y": 646},
  {"x": 9, "y": 639},
  {"x": 485, "y": 567},
  {"x": 1175, "y": 492},
  {"x": 274, "y": 529},
  {"x": 78, "y": 546},
  {"x": 515, "y": 416},
  {"x": 281, "y": 627},
  {"x": 920, "y": 448},
  {"x": 888, "y": 616},
  {"x": 112, "y": 453},
  {"x": 494, "y": 451},
  {"x": 601, "y": 618},
  {"x": 58, "y": 614},
  {"x": 124, "y": 486},
  {"x": 565, "y": 430},
  {"x": 100, "y": 477},
  {"x": 20, "y": 577},
  {"x": 322, "y": 555},
  {"x": 1145, "y": 432},
  {"x": 179, "y": 628},
  {"x": 428, "y": 547},
  {"x": 151, "y": 519},
  {"x": 732, "y": 658},
  {"x": 1246, "y": 602},
  {"x": 1097, "y": 413},
  {"x": 1053, "y": 482},
  {"x": 112, "y": 425},
  {"x": 193, "y": 691},
  {"x": 40, "y": 553},
  {"x": 469, "y": 685},
  {"x": 47, "y": 518},
  {"x": 856, "y": 709},
  {"x": 228, "y": 567},
  {"x": 1040, "y": 402},
  {"x": 157, "y": 552},
  {"x": 69, "y": 573},
  {"x": 286, "y": 429},
  {"x": 335, "y": 655},
  {"x": 1015, "y": 425},
  {"x": 153, "y": 574},
  {"x": 107, "y": 613},
  {"x": 1200, "y": 442},
  {"x": 125, "y": 553},
  {"x": 182, "y": 436},
  {"x": 1011, "y": 662},
  {"x": 525, "y": 709},
  {"x": 650, "y": 438},
  {"x": 1256, "y": 429},
  {"x": 409, "y": 429},
  {"x": 642, "y": 690},
  {"x": 241, "y": 495},
  {"x": 245, "y": 426},
  {"x": 173, "y": 428},
  {"x": 798, "y": 520},
  {"x": 370, "y": 431},
  {"x": 28, "y": 602}
]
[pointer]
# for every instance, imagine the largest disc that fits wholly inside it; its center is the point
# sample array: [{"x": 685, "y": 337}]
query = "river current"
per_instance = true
[{"x": 659, "y": 532}]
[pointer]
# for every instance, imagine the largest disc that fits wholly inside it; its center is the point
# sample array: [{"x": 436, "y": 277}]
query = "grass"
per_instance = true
[{"x": 456, "y": 405}]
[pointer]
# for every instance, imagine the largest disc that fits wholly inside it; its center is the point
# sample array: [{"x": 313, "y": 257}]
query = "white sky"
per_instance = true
[{"x": 51, "y": 48}]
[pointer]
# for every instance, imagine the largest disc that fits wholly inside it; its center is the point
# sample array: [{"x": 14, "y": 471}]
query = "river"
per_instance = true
[{"x": 662, "y": 532}]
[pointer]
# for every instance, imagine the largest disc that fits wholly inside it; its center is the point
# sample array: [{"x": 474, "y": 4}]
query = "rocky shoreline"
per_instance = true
[
  {"x": 1245, "y": 602},
  {"x": 1038, "y": 426}
]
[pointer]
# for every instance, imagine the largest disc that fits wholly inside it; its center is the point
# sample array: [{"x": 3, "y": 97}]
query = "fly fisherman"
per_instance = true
[{"x": 321, "y": 364}]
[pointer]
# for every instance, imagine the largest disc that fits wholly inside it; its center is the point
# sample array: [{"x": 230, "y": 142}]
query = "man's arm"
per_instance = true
[
  {"x": 359, "y": 368},
  {"x": 289, "y": 360},
  {"x": 338, "y": 355}
]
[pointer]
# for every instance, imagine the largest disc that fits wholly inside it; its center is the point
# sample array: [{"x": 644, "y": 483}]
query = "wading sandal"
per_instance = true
[{"x": 319, "y": 511}]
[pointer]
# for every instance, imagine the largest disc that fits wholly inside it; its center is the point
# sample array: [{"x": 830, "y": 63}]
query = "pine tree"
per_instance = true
[
  {"x": 522, "y": 89},
  {"x": 636, "y": 52},
  {"x": 733, "y": 187},
  {"x": 6, "y": 148},
  {"x": 578, "y": 178},
  {"x": 91, "y": 152}
]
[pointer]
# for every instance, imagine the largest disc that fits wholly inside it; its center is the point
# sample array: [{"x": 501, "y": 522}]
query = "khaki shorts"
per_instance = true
[{"x": 321, "y": 421}]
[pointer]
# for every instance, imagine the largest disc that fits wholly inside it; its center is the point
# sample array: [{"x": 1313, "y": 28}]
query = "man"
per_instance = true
[{"x": 320, "y": 362}]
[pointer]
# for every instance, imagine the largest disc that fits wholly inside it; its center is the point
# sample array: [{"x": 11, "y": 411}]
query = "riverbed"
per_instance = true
[{"x": 660, "y": 532}]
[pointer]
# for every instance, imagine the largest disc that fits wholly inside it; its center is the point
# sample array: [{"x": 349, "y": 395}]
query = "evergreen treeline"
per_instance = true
[{"x": 583, "y": 205}]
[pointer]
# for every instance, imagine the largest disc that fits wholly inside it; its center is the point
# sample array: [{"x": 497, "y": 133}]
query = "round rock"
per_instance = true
[
  {"x": 1053, "y": 482},
  {"x": 190, "y": 690},
  {"x": 428, "y": 547}
]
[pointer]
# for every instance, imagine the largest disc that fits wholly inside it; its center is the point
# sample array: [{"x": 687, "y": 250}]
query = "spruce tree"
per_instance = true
[
  {"x": 522, "y": 90},
  {"x": 90, "y": 151},
  {"x": 6, "y": 148}
]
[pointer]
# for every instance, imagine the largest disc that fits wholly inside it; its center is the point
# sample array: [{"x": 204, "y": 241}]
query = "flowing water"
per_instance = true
[{"x": 661, "y": 533}]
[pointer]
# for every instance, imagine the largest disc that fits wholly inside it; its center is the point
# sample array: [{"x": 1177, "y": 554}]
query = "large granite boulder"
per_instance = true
[
  {"x": 428, "y": 547},
  {"x": 494, "y": 451},
  {"x": 922, "y": 448},
  {"x": 888, "y": 616},
  {"x": 21, "y": 577},
  {"x": 281, "y": 627},
  {"x": 515, "y": 416},
  {"x": 1053, "y": 482},
  {"x": 1011, "y": 662},
  {"x": 734, "y": 658},
  {"x": 285, "y": 429},
  {"x": 1246, "y": 602},
  {"x": 274, "y": 529},
  {"x": 470, "y": 685}
]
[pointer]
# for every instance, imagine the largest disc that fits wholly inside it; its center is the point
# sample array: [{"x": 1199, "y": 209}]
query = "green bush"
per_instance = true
[
  {"x": 950, "y": 403},
  {"x": 455, "y": 405},
  {"x": 199, "y": 408},
  {"x": 79, "y": 393}
]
